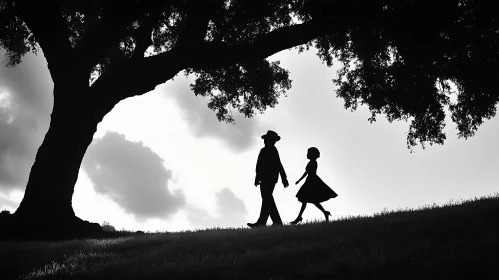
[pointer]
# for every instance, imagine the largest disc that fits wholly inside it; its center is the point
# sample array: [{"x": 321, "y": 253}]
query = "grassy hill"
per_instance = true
[{"x": 455, "y": 240}]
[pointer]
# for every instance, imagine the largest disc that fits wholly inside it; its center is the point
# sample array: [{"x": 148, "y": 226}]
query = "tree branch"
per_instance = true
[
  {"x": 50, "y": 31},
  {"x": 116, "y": 18},
  {"x": 193, "y": 29},
  {"x": 142, "y": 35},
  {"x": 136, "y": 77},
  {"x": 213, "y": 55}
]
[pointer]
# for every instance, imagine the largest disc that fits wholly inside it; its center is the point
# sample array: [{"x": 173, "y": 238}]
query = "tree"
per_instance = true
[
  {"x": 106, "y": 226},
  {"x": 399, "y": 58}
]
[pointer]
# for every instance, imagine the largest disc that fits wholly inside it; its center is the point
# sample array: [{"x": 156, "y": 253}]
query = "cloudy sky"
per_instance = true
[{"x": 162, "y": 161}]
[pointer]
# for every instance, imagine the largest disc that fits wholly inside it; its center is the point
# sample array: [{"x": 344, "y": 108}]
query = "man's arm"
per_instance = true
[
  {"x": 284, "y": 178},
  {"x": 258, "y": 168}
]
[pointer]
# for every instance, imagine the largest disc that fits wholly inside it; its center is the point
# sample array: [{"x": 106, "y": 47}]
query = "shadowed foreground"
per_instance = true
[{"x": 458, "y": 240}]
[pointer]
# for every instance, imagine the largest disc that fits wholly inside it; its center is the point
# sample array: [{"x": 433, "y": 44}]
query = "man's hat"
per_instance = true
[{"x": 271, "y": 135}]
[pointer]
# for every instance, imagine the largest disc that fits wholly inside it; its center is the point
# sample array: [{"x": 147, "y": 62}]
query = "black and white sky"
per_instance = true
[{"x": 162, "y": 161}]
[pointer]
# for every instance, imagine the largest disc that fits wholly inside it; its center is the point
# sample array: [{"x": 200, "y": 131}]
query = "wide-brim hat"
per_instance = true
[{"x": 271, "y": 135}]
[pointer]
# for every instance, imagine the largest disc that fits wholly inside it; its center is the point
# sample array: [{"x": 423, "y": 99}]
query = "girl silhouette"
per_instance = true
[{"x": 314, "y": 190}]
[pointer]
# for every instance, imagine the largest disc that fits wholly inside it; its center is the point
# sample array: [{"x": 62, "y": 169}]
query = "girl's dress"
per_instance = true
[{"x": 314, "y": 190}]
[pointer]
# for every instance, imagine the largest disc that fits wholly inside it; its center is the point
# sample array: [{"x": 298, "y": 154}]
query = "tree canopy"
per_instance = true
[{"x": 398, "y": 57}]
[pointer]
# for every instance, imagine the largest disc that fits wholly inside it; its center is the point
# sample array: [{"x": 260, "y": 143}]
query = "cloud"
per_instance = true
[
  {"x": 6, "y": 203},
  {"x": 25, "y": 105},
  {"x": 231, "y": 212},
  {"x": 228, "y": 203},
  {"x": 203, "y": 122},
  {"x": 133, "y": 176}
]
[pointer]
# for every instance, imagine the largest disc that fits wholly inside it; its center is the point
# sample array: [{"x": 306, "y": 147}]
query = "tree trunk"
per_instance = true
[{"x": 48, "y": 196}]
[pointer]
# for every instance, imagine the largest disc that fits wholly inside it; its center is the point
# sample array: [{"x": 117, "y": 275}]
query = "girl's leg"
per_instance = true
[
  {"x": 326, "y": 213},
  {"x": 318, "y": 205},
  {"x": 299, "y": 218},
  {"x": 303, "y": 206}
]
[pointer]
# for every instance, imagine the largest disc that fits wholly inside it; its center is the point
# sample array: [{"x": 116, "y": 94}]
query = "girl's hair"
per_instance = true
[{"x": 314, "y": 152}]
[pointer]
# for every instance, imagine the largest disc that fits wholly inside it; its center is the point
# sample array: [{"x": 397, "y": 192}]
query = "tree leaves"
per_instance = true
[
  {"x": 393, "y": 60},
  {"x": 397, "y": 56},
  {"x": 247, "y": 87},
  {"x": 15, "y": 37}
]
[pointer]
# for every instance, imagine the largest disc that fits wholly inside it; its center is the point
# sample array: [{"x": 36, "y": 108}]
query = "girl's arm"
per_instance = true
[{"x": 303, "y": 176}]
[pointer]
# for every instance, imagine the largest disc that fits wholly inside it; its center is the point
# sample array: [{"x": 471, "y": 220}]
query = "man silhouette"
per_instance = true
[{"x": 268, "y": 168}]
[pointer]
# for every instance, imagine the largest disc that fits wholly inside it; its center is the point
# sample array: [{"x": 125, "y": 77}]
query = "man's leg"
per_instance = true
[
  {"x": 266, "y": 193},
  {"x": 264, "y": 211},
  {"x": 271, "y": 208}
]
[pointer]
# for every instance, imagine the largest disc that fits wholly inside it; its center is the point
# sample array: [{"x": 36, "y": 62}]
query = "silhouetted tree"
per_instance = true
[
  {"x": 106, "y": 226},
  {"x": 398, "y": 58}
]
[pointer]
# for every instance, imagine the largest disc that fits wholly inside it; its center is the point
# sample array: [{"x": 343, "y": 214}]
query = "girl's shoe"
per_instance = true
[
  {"x": 299, "y": 219},
  {"x": 327, "y": 214}
]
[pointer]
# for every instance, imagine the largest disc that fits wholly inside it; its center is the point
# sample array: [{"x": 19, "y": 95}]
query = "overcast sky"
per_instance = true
[{"x": 162, "y": 161}]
